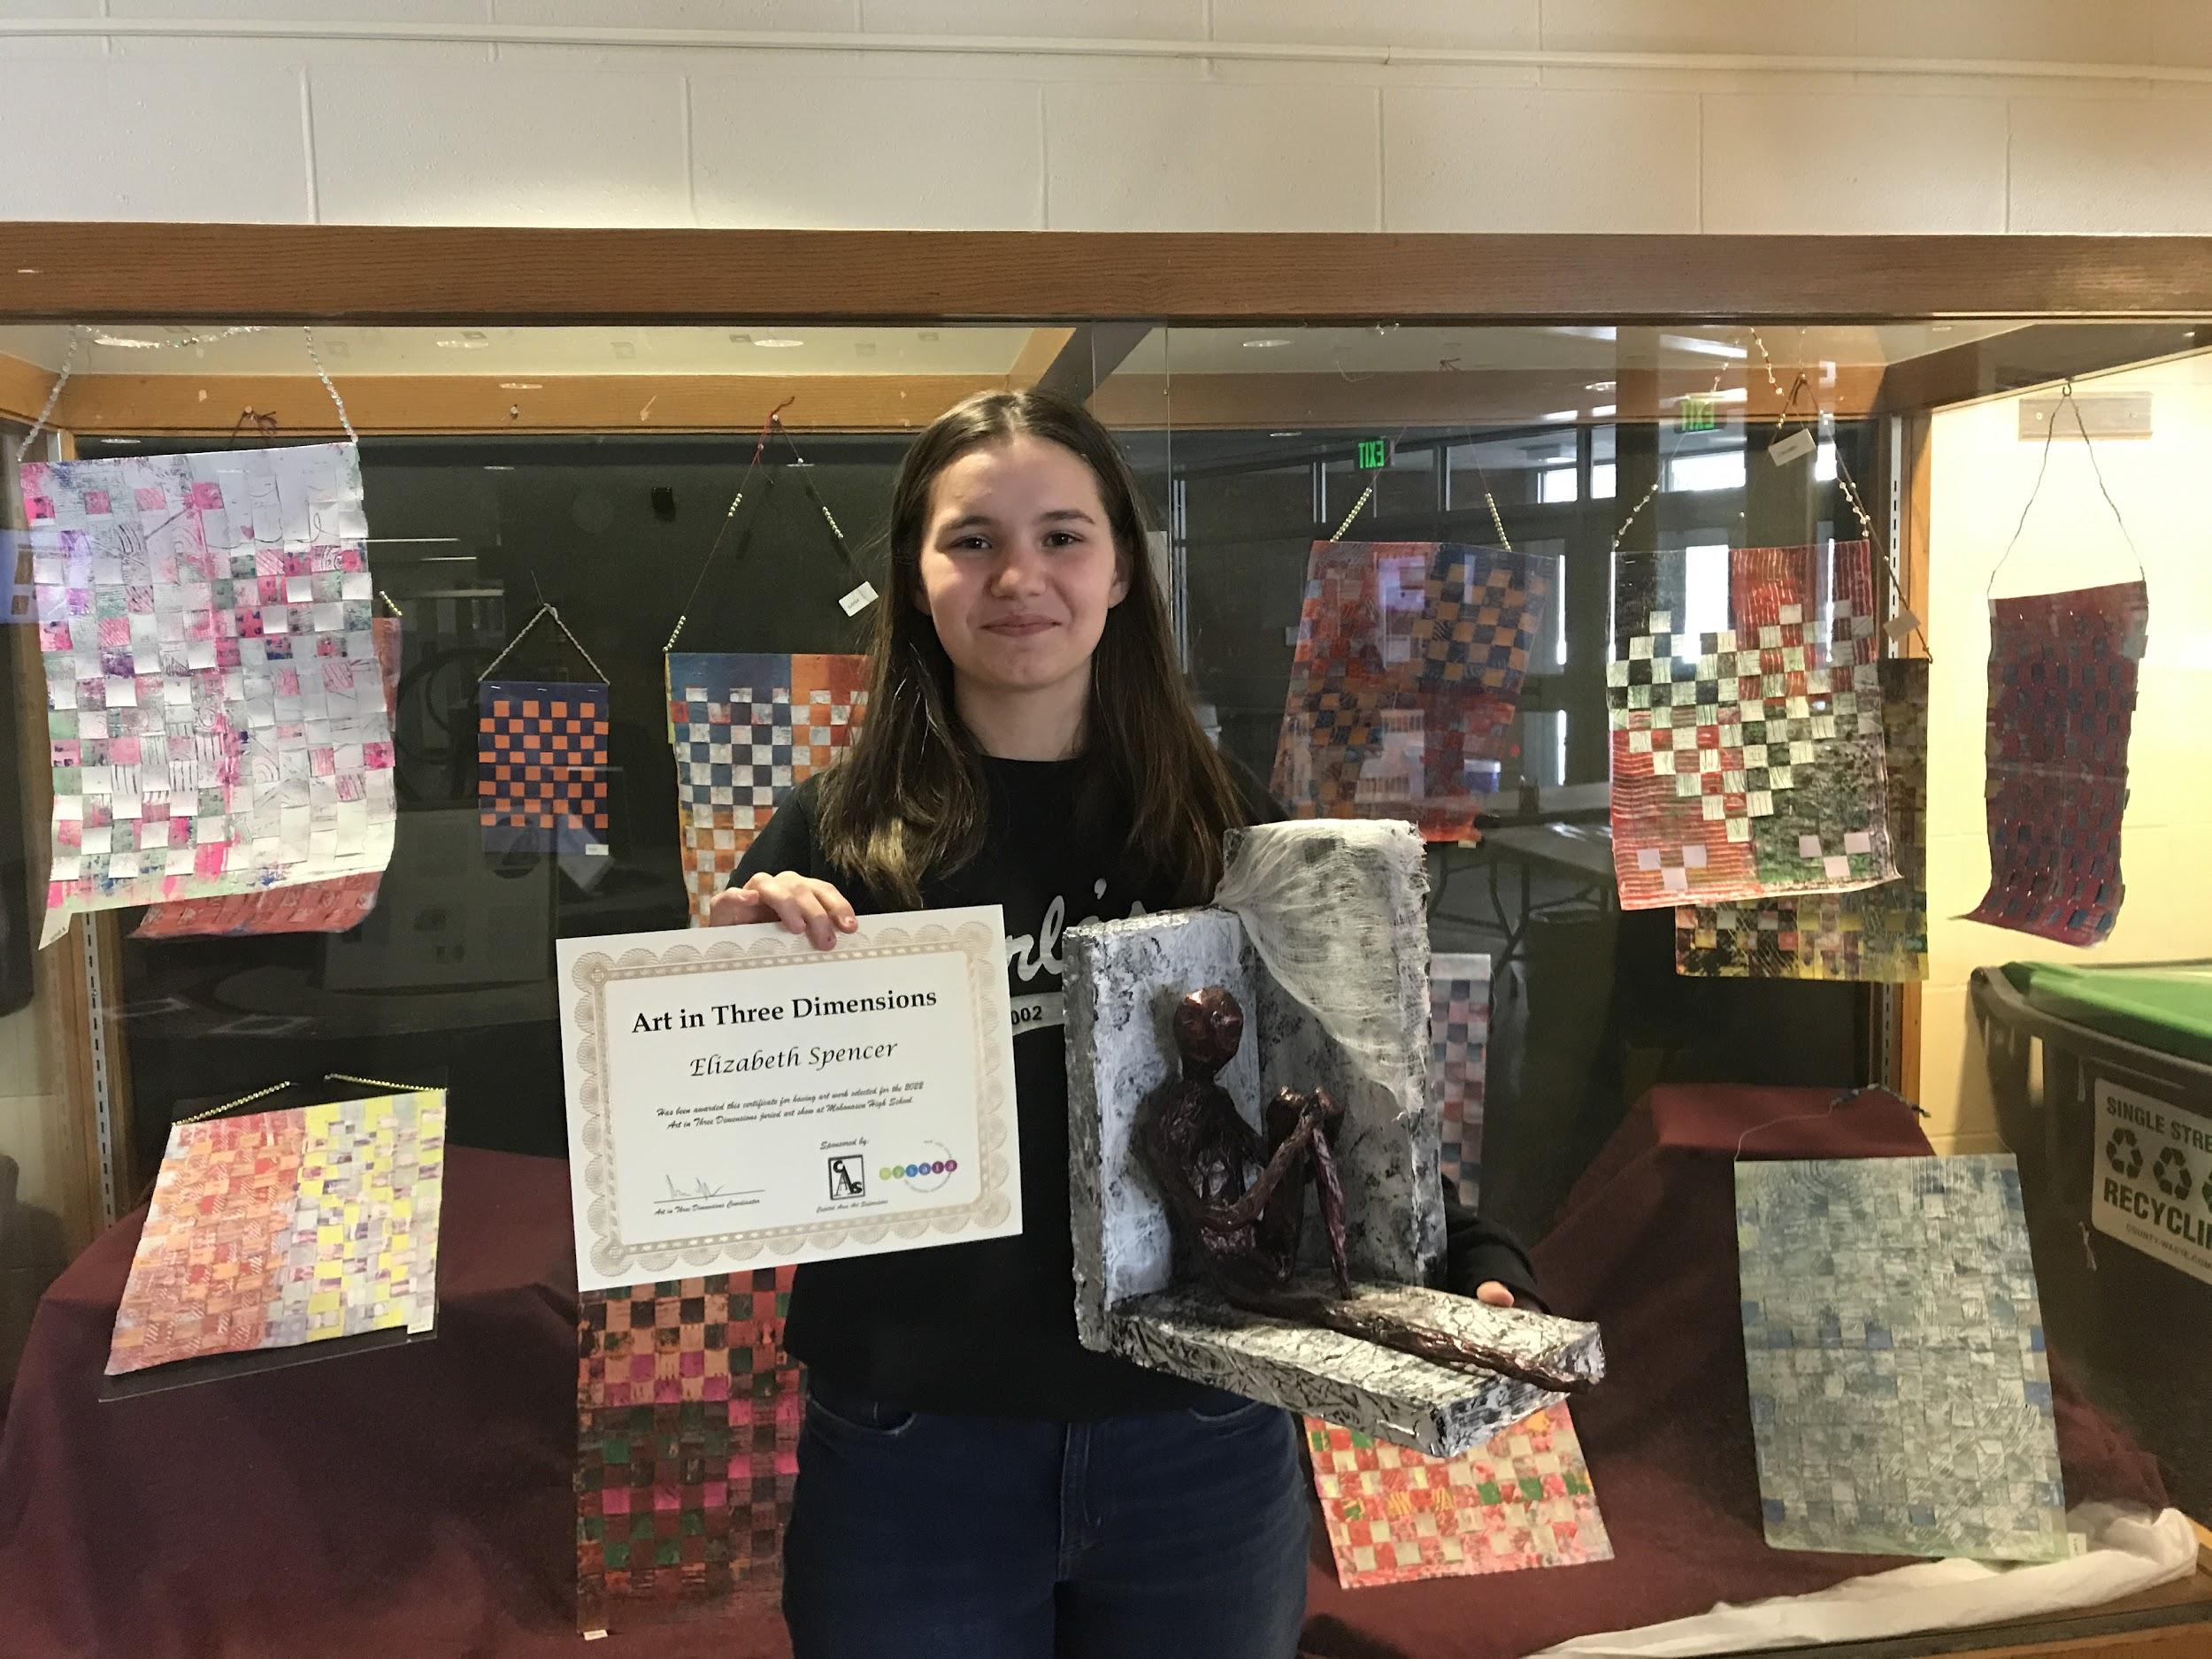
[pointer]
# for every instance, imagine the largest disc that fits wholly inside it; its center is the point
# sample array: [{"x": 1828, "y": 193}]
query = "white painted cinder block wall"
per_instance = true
[{"x": 1849, "y": 116}]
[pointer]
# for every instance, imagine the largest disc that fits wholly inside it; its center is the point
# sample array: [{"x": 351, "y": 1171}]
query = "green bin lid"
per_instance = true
[{"x": 2166, "y": 1006}]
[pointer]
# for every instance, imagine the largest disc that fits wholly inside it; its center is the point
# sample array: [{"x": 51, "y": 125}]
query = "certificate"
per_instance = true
[{"x": 738, "y": 1099}]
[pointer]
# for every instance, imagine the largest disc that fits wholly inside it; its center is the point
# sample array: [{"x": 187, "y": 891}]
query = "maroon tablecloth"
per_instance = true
[{"x": 416, "y": 1500}]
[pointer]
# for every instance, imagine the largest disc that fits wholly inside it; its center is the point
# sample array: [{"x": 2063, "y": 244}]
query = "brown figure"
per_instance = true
[{"x": 1245, "y": 1227}]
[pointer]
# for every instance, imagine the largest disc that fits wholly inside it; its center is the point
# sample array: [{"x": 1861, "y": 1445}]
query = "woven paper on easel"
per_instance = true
[
  {"x": 286, "y": 1227},
  {"x": 1748, "y": 761},
  {"x": 746, "y": 727},
  {"x": 1405, "y": 685}
]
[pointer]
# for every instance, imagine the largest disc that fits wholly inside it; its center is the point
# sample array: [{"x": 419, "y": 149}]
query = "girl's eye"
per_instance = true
[
  {"x": 1062, "y": 538},
  {"x": 970, "y": 543}
]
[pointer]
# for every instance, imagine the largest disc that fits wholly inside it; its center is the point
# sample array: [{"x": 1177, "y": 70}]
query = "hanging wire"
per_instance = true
[
  {"x": 2066, "y": 400},
  {"x": 233, "y": 1105},
  {"x": 1450, "y": 366},
  {"x": 279, "y": 1088},
  {"x": 378, "y": 1082},
  {"x": 79, "y": 335},
  {"x": 53, "y": 392},
  {"x": 316, "y": 357},
  {"x": 543, "y": 611},
  {"x": 737, "y": 499},
  {"x": 1849, "y": 484},
  {"x": 1365, "y": 496}
]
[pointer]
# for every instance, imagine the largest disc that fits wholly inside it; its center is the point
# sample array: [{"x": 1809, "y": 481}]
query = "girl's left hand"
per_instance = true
[{"x": 1492, "y": 1292}]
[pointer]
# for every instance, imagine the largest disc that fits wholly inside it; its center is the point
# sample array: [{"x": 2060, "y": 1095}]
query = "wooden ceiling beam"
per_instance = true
[{"x": 90, "y": 272}]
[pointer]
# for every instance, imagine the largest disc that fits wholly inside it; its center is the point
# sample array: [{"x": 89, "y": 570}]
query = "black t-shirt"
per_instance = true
[{"x": 988, "y": 1327}]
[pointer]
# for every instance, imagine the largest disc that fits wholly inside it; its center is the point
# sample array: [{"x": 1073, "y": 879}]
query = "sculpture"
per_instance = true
[{"x": 1244, "y": 1227}]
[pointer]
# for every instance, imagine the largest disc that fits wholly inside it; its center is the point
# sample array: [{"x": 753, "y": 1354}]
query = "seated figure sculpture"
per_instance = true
[{"x": 1239, "y": 1203}]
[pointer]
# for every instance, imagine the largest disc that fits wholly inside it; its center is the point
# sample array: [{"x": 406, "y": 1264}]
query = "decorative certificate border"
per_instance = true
[{"x": 983, "y": 945}]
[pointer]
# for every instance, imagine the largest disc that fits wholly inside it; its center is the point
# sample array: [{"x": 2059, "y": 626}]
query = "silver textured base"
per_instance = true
[{"x": 1392, "y": 1396}]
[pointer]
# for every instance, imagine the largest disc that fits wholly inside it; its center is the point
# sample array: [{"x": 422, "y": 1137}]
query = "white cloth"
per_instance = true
[{"x": 2129, "y": 1549}]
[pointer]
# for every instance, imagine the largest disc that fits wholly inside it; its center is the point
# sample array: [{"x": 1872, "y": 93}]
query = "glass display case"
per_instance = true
[{"x": 1348, "y": 519}]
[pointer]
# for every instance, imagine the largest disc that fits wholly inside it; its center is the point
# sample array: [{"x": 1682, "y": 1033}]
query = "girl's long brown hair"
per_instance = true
[{"x": 909, "y": 800}]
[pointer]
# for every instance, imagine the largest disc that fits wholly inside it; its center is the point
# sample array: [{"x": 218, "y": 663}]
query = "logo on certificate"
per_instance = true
[{"x": 847, "y": 1178}]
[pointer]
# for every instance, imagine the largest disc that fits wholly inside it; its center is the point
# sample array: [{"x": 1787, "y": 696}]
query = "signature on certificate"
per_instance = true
[{"x": 699, "y": 1193}]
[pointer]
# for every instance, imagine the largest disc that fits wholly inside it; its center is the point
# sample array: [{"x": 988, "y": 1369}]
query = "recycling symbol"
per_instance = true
[
  {"x": 2124, "y": 1154},
  {"x": 2171, "y": 1172}
]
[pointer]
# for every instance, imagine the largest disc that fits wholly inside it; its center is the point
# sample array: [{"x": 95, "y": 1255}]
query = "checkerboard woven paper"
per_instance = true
[
  {"x": 1901, "y": 1392},
  {"x": 542, "y": 766},
  {"x": 2062, "y": 670},
  {"x": 747, "y": 727},
  {"x": 310, "y": 907},
  {"x": 687, "y": 1440},
  {"x": 1747, "y": 763},
  {"x": 286, "y": 1227},
  {"x": 214, "y": 714},
  {"x": 1459, "y": 1035},
  {"x": 1523, "y": 1500},
  {"x": 1406, "y": 683},
  {"x": 1878, "y": 934}
]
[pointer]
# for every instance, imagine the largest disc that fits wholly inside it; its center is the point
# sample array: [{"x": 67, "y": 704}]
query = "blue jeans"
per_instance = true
[{"x": 1150, "y": 1536}]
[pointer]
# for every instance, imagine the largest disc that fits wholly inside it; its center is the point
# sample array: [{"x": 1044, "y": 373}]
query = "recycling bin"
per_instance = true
[{"x": 2102, "y": 1079}]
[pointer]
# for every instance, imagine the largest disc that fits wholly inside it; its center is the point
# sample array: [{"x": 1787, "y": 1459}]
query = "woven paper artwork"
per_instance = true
[
  {"x": 1878, "y": 934},
  {"x": 542, "y": 766},
  {"x": 286, "y": 1227},
  {"x": 746, "y": 729},
  {"x": 1459, "y": 1033},
  {"x": 1901, "y": 1395},
  {"x": 1523, "y": 1500},
  {"x": 687, "y": 1440},
  {"x": 1748, "y": 762},
  {"x": 1405, "y": 685},
  {"x": 214, "y": 714},
  {"x": 2062, "y": 670},
  {"x": 312, "y": 907}
]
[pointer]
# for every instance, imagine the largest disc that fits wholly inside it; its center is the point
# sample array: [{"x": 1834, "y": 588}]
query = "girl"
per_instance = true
[{"x": 973, "y": 1482}]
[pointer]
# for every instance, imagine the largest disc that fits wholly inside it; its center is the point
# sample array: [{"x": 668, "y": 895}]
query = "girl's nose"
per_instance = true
[{"x": 1020, "y": 571}]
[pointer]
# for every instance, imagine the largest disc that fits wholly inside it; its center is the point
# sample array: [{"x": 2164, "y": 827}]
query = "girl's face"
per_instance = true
[{"x": 1018, "y": 567}]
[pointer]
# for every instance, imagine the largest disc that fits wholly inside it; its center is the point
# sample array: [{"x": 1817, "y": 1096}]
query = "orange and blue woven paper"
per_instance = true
[
  {"x": 747, "y": 727},
  {"x": 542, "y": 766}
]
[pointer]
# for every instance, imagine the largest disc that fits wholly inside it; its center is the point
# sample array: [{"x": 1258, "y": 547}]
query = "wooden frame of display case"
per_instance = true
[{"x": 1088, "y": 298}]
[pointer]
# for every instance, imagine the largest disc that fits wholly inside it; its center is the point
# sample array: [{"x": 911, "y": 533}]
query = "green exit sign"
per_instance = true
[
  {"x": 1699, "y": 413},
  {"x": 1373, "y": 453}
]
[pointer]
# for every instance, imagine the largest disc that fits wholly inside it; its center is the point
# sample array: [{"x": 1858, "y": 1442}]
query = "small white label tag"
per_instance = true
[
  {"x": 859, "y": 599},
  {"x": 1903, "y": 626},
  {"x": 597, "y": 849},
  {"x": 1796, "y": 447}
]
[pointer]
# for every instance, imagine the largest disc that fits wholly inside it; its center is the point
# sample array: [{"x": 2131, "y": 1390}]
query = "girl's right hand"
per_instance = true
[{"x": 803, "y": 904}]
